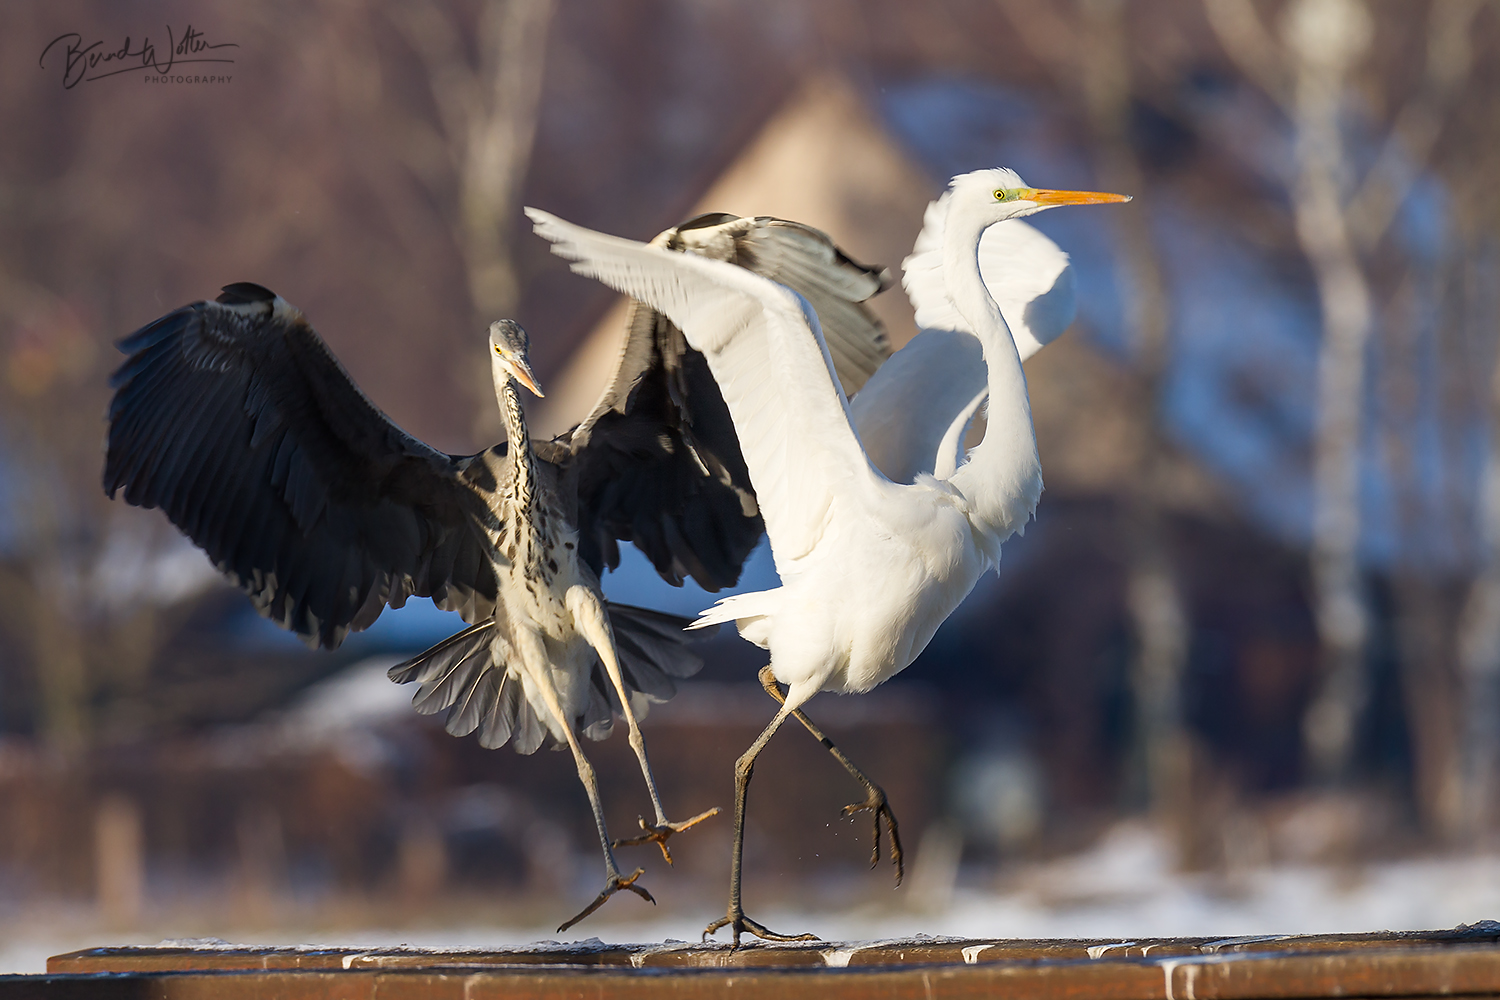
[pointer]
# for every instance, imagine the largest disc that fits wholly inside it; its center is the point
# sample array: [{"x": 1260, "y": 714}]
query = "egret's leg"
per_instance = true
[
  {"x": 875, "y": 800},
  {"x": 735, "y": 918},
  {"x": 589, "y": 618},
  {"x": 613, "y": 881}
]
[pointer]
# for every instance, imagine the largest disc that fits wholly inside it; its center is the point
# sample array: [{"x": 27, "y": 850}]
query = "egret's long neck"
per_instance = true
[
  {"x": 1003, "y": 478},
  {"x": 522, "y": 460}
]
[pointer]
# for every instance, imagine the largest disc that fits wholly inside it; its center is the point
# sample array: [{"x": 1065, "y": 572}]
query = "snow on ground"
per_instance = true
[{"x": 1122, "y": 889}]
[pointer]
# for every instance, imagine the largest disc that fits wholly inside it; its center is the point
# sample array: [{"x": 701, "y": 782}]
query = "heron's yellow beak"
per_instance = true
[
  {"x": 520, "y": 370},
  {"x": 1044, "y": 196}
]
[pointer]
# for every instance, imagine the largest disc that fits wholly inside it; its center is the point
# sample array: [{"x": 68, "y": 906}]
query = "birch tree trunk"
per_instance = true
[
  {"x": 1307, "y": 74},
  {"x": 487, "y": 111},
  {"x": 1479, "y": 638},
  {"x": 1153, "y": 595},
  {"x": 499, "y": 136},
  {"x": 1326, "y": 39},
  {"x": 1092, "y": 52}
]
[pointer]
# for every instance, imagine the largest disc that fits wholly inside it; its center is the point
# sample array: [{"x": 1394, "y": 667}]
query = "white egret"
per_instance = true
[{"x": 869, "y": 567}]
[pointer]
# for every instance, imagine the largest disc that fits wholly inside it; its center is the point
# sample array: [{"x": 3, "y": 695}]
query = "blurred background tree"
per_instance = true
[{"x": 1262, "y": 593}]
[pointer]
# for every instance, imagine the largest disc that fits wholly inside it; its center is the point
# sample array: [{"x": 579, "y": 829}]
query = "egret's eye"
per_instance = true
[{"x": 999, "y": 194}]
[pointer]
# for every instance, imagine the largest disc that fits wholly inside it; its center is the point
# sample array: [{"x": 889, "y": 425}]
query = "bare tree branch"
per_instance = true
[
  {"x": 487, "y": 113},
  {"x": 1411, "y": 138},
  {"x": 1251, "y": 47}
]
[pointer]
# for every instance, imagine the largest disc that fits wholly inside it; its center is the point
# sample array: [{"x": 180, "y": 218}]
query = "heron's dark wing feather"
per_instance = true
[
  {"x": 236, "y": 419},
  {"x": 661, "y": 467},
  {"x": 808, "y": 262},
  {"x": 658, "y": 462}
]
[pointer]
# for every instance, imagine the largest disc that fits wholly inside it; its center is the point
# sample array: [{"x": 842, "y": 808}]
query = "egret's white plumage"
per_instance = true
[
  {"x": 870, "y": 567},
  {"x": 914, "y": 412}
]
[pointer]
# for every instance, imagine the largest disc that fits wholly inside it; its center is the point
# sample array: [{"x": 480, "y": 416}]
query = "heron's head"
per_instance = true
[
  {"x": 509, "y": 353},
  {"x": 999, "y": 193}
]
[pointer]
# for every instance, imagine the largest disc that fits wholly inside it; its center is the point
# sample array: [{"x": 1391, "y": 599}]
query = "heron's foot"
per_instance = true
[
  {"x": 657, "y": 833},
  {"x": 878, "y": 807},
  {"x": 738, "y": 923},
  {"x": 615, "y": 883}
]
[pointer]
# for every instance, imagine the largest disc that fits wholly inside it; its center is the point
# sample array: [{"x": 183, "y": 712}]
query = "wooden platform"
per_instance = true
[{"x": 1461, "y": 962}]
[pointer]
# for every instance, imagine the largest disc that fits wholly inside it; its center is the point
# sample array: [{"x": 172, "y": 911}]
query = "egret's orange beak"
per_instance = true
[{"x": 1044, "y": 196}]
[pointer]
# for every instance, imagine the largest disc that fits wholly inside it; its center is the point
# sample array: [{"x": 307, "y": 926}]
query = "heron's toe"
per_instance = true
[
  {"x": 657, "y": 833},
  {"x": 612, "y": 885}
]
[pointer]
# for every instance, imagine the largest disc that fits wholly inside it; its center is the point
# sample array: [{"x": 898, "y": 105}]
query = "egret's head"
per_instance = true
[
  {"x": 999, "y": 194},
  {"x": 509, "y": 350}
]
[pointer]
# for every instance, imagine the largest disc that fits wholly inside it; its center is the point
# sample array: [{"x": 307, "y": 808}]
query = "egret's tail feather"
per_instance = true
[{"x": 752, "y": 614}]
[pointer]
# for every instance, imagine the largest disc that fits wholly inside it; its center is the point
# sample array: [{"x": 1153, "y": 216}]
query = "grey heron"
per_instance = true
[
  {"x": 235, "y": 418},
  {"x": 869, "y": 567}
]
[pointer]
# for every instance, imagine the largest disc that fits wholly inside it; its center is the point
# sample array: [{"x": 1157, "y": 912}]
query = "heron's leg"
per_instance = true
[
  {"x": 589, "y": 618},
  {"x": 613, "y": 881},
  {"x": 875, "y": 800},
  {"x": 735, "y": 918}
]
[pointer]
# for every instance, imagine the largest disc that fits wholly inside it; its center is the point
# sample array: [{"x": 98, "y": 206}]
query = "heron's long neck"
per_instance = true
[
  {"x": 1003, "y": 478},
  {"x": 522, "y": 460}
]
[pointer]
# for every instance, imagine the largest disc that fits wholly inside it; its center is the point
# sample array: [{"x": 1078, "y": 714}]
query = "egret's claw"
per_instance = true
[
  {"x": 612, "y": 886},
  {"x": 739, "y": 923},
  {"x": 879, "y": 807},
  {"x": 657, "y": 833}
]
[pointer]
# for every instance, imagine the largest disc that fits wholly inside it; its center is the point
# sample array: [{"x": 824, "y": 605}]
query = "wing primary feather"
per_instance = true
[{"x": 236, "y": 420}]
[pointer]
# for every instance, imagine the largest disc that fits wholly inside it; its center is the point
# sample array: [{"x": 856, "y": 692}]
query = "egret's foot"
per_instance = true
[
  {"x": 738, "y": 923},
  {"x": 878, "y": 807},
  {"x": 658, "y": 833},
  {"x": 614, "y": 885}
]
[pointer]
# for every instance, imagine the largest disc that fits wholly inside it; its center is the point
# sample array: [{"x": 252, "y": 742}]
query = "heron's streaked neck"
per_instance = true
[
  {"x": 1003, "y": 477},
  {"x": 522, "y": 461}
]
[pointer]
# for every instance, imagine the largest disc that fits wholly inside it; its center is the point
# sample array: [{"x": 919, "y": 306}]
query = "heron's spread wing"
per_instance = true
[
  {"x": 810, "y": 264},
  {"x": 657, "y": 462},
  {"x": 761, "y": 341},
  {"x": 237, "y": 421},
  {"x": 912, "y": 414}
]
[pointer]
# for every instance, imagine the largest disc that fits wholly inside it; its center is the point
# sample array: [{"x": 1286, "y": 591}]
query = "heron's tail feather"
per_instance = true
[
  {"x": 448, "y": 669},
  {"x": 654, "y": 648},
  {"x": 466, "y": 676},
  {"x": 752, "y": 613}
]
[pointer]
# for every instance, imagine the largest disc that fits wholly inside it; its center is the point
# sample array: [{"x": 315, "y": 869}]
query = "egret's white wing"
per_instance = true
[
  {"x": 763, "y": 345},
  {"x": 912, "y": 414},
  {"x": 1027, "y": 274}
]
